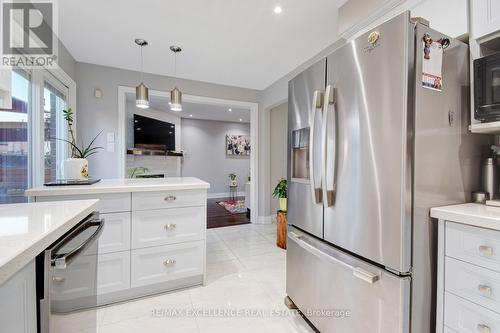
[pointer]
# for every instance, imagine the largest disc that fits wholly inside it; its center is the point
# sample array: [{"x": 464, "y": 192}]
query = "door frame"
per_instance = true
[{"x": 254, "y": 123}]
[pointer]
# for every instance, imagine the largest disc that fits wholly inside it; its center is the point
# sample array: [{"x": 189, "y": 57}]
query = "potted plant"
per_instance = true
[
  {"x": 77, "y": 166},
  {"x": 280, "y": 192},
  {"x": 134, "y": 172},
  {"x": 232, "y": 178}
]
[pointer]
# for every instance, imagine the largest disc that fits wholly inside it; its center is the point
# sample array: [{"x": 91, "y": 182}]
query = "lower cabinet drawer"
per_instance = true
[
  {"x": 463, "y": 316},
  {"x": 113, "y": 272},
  {"x": 474, "y": 245},
  {"x": 474, "y": 283},
  {"x": 165, "y": 263},
  {"x": 167, "y": 226},
  {"x": 168, "y": 199}
]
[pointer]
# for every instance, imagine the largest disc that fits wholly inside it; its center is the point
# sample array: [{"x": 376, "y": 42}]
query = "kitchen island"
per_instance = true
[
  {"x": 26, "y": 230},
  {"x": 154, "y": 235}
]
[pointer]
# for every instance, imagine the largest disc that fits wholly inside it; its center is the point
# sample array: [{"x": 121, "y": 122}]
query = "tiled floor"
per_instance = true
[{"x": 244, "y": 292}]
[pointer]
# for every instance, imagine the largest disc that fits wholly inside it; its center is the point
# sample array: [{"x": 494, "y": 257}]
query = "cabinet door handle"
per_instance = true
[
  {"x": 483, "y": 328},
  {"x": 486, "y": 250},
  {"x": 170, "y": 226},
  {"x": 170, "y": 198},
  {"x": 484, "y": 290},
  {"x": 169, "y": 262},
  {"x": 58, "y": 279}
]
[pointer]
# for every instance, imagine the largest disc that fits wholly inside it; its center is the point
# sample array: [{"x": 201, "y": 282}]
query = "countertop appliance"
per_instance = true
[
  {"x": 487, "y": 88},
  {"x": 67, "y": 279},
  {"x": 370, "y": 151}
]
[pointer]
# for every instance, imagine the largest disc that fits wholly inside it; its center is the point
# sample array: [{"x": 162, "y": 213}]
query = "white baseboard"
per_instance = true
[
  {"x": 264, "y": 219},
  {"x": 223, "y": 195}
]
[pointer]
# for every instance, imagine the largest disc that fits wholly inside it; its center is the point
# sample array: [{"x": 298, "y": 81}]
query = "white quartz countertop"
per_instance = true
[
  {"x": 474, "y": 214},
  {"x": 27, "y": 229},
  {"x": 122, "y": 185}
]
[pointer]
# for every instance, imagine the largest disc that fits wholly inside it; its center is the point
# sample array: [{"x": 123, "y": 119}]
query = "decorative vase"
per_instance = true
[
  {"x": 283, "y": 204},
  {"x": 76, "y": 168},
  {"x": 233, "y": 183}
]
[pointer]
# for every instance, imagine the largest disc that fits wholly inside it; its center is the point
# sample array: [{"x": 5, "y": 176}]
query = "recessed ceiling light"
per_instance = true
[
  {"x": 278, "y": 10},
  {"x": 241, "y": 119},
  {"x": 191, "y": 115},
  {"x": 229, "y": 110}
]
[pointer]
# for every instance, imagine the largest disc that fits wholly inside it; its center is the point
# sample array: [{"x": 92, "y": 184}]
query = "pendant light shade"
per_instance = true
[
  {"x": 175, "y": 100},
  {"x": 142, "y": 96},
  {"x": 175, "y": 94},
  {"x": 141, "y": 91}
]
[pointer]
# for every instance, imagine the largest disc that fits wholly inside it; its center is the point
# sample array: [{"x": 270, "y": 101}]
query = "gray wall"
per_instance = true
[
  {"x": 278, "y": 148},
  {"x": 94, "y": 115},
  {"x": 204, "y": 143},
  {"x": 66, "y": 61}
]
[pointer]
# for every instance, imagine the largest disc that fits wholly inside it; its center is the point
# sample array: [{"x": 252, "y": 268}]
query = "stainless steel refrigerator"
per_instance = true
[{"x": 370, "y": 151}]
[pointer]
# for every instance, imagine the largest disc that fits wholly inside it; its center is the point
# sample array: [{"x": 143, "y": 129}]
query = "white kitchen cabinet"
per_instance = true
[
  {"x": 108, "y": 202},
  {"x": 463, "y": 316},
  {"x": 167, "y": 199},
  {"x": 113, "y": 272},
  {"x": 115, "y": 235},
  {"x": 167, "y": 226},
  {"x": 166, "y": 263},
  {"x": 485, "y": 16},
  {"x": 468, "y": 286},
  {"x": 153, "y": 240},
  {"x": 18, "y": 302}
]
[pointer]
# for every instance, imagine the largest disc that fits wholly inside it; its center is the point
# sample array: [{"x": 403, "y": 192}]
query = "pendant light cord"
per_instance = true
[
  {"x": 175, "y": 69},
  {"x": 142, "y": 69}
]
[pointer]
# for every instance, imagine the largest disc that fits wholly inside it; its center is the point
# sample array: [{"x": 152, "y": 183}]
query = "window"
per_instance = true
[
  {"x": 14, "y": 141},
  {"x": 30, "y": 154},
  {"x": 55, "y": 150}
]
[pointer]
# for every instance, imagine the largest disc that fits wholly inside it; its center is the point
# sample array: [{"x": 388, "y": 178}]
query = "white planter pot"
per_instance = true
[{"x": 76, "y": 168}]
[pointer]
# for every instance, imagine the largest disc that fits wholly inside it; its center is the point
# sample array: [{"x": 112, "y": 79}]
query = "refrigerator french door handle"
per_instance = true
[
  {"x": 317, "y": 104},
  {"x": 357, "y": 272},
  {"x": 329, "y": 184}
]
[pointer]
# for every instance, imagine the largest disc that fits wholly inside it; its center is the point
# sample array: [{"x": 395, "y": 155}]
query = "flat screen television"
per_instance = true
[{"x": 153, "y": 133}]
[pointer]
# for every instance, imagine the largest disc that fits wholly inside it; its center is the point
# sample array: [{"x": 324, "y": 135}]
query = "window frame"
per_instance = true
[{"x": 57, "y": 78}]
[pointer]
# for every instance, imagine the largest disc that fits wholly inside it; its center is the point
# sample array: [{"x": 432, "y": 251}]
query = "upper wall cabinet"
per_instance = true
[
  {"x": 485, "y": 15},
  {"x": 5, "y": 89}
]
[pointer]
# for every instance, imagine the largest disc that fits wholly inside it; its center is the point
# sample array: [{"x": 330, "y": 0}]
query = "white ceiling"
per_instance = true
[
  {"x": 231, "y": 42},
  {"x": 198, "y": 111}
]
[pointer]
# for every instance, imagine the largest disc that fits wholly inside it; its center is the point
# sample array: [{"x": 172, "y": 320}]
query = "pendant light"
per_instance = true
[
  {"x": 175, "y": 94},
  {"x": 141, "y": 91}
]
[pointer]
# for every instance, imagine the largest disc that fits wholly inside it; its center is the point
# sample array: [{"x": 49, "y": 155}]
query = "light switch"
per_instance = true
[
  {"x": 98, "y": 93},
  {"x": 110, "y": 137},
  {"x": 111, "y": 147}
]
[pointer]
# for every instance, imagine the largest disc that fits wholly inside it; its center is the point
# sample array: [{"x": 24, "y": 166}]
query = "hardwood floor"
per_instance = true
[{"x": 218, "y": 216}]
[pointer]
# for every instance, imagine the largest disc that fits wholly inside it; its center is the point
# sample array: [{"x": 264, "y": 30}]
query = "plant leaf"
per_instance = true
[{"x": 80, "y": 153}]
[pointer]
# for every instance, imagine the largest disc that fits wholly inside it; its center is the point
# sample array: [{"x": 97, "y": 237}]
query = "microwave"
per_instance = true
[{"x": 487, "y": 88}]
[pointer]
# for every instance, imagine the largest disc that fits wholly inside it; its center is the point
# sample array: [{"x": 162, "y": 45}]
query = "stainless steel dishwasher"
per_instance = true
[{"x": 67, "y": 280}]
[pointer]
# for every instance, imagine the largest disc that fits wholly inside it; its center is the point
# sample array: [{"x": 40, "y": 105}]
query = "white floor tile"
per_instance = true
[{"x": 245, "y": 272}]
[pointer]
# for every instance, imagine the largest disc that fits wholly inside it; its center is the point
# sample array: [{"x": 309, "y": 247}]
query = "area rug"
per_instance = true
[{"x": 234, "y": 207}]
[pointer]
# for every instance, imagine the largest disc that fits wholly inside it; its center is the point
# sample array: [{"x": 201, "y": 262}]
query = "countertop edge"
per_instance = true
[
  {"x": 467, "y": 218},
  {"x": 11, "y": 267},
  {"x": 69, "y": 190}
]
